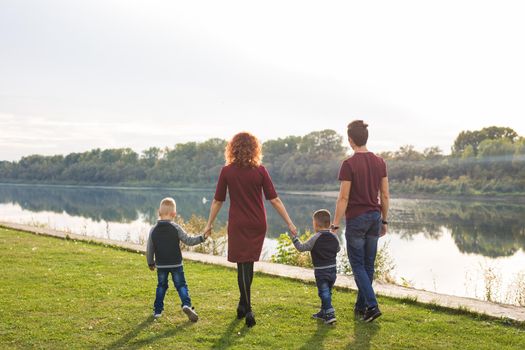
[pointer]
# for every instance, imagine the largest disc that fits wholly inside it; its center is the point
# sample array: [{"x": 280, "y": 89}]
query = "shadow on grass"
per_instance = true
[
  {"x": 229, "y": 336},
  {"x": 363, "y": 334},
  {"x": 125, "y": 342},
  {"x": 151, "y": 340},
  {"x": 317, "y": 339},
  {"x": 131, "y": 334}
]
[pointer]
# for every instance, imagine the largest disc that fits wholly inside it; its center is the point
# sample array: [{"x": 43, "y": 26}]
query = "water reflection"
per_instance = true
[
  {"x": 491, "y": 229},
  {"x": 107, "y": 204}
]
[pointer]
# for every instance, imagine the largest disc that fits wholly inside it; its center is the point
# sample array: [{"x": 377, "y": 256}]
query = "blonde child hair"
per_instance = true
[{"x": 167, "y": 207}]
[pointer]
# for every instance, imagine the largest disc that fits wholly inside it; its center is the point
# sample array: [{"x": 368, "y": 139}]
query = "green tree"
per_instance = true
[
  {"x": 150, "y": 156},
  {"x": 474, "y": 138}
]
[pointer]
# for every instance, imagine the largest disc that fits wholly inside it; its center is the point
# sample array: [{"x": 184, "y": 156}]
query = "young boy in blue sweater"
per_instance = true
[
  {"x": 163, "y": 252},
  {"x": 323, "y": 247}
]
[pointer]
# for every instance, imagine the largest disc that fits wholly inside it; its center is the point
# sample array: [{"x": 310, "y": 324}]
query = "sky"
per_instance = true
[{"x": 77, "y": 75}]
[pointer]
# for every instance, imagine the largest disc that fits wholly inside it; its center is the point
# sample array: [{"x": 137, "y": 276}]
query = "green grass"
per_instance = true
[{"x": 62, "y": 294}]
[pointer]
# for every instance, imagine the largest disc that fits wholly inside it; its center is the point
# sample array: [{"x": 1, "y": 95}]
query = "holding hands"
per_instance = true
[
  {"x": 207, "y": 231},
  {"x": 384, "y": 229},
  {"x": 292, "y": 229}
]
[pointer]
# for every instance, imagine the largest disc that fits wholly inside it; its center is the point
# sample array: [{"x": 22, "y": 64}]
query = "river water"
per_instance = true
[{"x": 458, "y": 247}]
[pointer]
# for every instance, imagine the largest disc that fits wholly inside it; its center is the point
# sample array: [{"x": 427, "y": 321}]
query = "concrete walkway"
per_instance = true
[{"x": 512, "y": 312}]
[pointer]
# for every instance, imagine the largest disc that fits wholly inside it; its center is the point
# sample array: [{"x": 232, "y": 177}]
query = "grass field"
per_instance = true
[{"x": 61, "y": 294}]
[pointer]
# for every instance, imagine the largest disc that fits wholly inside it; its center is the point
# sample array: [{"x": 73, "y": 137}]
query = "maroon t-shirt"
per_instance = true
[
  {"x": 365, "y": 171},
  {"x": 247, "y": 216}
]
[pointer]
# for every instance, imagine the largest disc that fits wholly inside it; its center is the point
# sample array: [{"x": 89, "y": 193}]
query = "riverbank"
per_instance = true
[
  {"x": 451, "y": 243},
  {"x": 504, "y": 311},
  {"x": 72, "y": 294}
]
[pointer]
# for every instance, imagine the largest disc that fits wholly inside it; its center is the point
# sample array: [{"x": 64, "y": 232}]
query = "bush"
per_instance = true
[
  {"x": 383, "y": 266},
  {"x": 288, "y": 255},
  {"x": 518, "y": 287},
  {"x": 216, "y": 244}
]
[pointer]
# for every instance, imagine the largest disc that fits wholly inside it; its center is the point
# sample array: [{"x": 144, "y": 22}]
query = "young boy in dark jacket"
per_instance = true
[
  {"x": 323, "y": 247},
  {"x": 163, "y": 252}
]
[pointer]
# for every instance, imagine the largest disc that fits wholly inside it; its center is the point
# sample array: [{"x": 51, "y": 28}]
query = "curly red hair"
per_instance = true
[{"x": 244, "y": 149}]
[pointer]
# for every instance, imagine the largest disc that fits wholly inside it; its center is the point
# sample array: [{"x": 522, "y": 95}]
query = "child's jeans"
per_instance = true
[
  {"x": 325, "y": 279},
  {"x": 177, "y": 274}
]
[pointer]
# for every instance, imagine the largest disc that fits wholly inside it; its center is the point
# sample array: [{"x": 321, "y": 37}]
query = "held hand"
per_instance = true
[
  {"x": 334, "y": 228},
  {"x": 293, "y": 229},
  {"x": 207, "y": 231},
  {"x": 384, "y": 229},
  {"x": 152, "y": 267}
]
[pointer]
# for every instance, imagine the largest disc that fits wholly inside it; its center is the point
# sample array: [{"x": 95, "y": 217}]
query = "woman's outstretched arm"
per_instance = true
[
  {"x": 214, "y": 210},
  {"x": 279, "y": 207}
]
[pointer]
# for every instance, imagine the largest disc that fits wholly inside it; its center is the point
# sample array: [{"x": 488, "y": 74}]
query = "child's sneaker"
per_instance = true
[
  {"x": 372, "y": 314},
  {"x": 157, "y": 314},
  {"x": 359, "y": 314},
  {"x": 319, "y": 315},
  {"x": 329, "y": 318},
  {"x": 190, "y": 312}
]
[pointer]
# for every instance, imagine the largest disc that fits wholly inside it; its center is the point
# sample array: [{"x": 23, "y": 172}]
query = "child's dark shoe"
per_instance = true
[
  {"x": 359, "y": 314},
  {"x": 372, "y": 314},
  {"x": 319, "y": 315},
  {"x": 329, "y": 318},
  {"x": 250, "y": 319},
  {"x": 190, "y": 312}
]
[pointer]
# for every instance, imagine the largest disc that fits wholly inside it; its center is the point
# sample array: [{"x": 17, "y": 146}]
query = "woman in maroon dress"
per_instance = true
[{"x": 245, "y": 179}]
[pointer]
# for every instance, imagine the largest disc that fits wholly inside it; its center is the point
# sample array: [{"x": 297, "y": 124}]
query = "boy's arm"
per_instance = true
[
  {"x": 306, "y": 246},
  {"x": 187, "y": 239},
  {"x": 149, "y": 251}
]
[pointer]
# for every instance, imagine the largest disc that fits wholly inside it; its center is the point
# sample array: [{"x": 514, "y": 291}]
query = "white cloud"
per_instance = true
[{"x": 136, "y": 74}]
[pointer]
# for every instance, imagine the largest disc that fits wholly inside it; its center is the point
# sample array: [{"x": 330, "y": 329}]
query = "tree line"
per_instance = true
[
  {"x": 490, "y": 160},
  {"x": 486, "y": 161}
]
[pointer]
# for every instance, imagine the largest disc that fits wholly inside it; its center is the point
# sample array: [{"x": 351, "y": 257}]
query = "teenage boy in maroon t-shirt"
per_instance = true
[{"x": 364, "y": 200}]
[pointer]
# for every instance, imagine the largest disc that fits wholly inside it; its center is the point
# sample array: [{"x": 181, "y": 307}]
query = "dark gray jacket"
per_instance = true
[
  {"x": 323, "y": 247},
  {"x": 163, "y": 249}
]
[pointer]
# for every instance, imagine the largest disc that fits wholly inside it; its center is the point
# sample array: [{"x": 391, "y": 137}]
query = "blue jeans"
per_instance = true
[
  {"x": 177, "y": 274},
  {"x": 362, "y": 233},
  {"x": 325, "y": 279}
]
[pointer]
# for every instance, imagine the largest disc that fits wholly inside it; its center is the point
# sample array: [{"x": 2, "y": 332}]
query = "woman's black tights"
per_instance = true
[{"x": 244, "y": 279}]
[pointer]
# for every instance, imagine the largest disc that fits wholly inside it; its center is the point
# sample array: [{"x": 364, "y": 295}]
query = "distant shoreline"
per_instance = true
[
  {"x": 109, "y": 187},
  {"x": 519, "y": 198}
]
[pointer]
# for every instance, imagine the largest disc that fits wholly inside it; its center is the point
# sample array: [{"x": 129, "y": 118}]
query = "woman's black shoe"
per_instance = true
[
  {"x": 250, "y": 319},
  {"x": 241, "y": 312}
]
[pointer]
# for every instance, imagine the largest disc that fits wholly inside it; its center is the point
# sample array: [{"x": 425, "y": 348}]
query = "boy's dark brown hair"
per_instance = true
[
  {"x": 358, "y": 132},
  {"x": 322, "y": 218}
]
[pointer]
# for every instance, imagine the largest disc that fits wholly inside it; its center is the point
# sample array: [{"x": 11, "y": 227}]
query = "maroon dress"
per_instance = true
[{"x": 247, "y": 216}]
